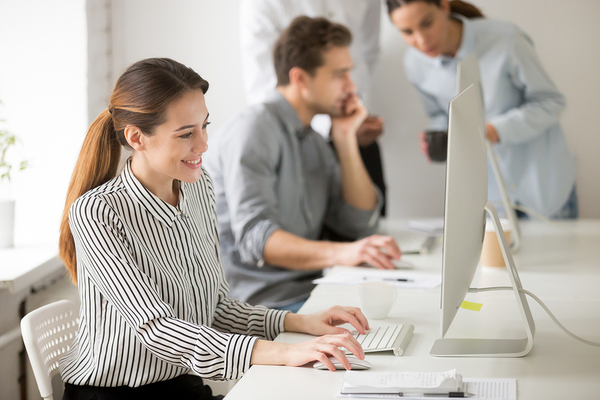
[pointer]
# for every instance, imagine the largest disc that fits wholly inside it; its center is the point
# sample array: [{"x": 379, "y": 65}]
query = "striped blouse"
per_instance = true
[{"x": 153, "y": 294}]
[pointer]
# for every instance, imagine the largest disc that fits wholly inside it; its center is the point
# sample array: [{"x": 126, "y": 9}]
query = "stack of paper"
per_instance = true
[
  {"x": 405, "y": 384},
  {"x": 420, "y": 385},
  {"x": 400, "y": 279}
]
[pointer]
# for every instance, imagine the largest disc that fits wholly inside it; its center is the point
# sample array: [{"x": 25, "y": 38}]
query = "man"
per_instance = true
[
  {"x": 261, "y": 24},
  {"x": 278, "y": 183}
]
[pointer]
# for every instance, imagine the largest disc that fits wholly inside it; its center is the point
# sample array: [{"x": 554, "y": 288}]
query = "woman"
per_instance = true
[
  {"x": 522, "y": 104},
  {"x": 143, "y": 249}
]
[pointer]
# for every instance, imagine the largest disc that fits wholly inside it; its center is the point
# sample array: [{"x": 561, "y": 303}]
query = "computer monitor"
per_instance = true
[
  {"x": 466, "y": 206},
  {"x": 468, "y": 73}
]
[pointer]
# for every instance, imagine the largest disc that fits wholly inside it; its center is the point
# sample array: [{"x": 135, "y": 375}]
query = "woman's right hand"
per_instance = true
[
  {"x": 424, "y": 146},
  {"x": 321, "y": 348}
]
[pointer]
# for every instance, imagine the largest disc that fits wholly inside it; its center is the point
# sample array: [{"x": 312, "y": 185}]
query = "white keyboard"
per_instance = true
[
  {"x": 412, "y": 242},
  {"x": 384, "y": 338}
]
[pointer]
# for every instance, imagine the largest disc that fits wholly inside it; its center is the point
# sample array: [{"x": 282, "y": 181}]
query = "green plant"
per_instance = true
[{"x": 7, "y": 140}]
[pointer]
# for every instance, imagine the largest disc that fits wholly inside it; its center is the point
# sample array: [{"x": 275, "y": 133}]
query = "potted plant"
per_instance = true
[{"x": 7, "y": 168}]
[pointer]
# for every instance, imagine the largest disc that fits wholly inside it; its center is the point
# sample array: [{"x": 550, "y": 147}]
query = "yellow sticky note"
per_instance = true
[{"x": 467, "y": 305}]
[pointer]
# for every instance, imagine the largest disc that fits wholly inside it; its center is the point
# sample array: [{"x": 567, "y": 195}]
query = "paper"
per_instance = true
[
  {"x": 478, "y": 388},
  {"x": 400, "y": 279},
  {"x": 500, "y": 389},
  {"x": 406, "y": 380},
  {"x": 467, "y": 305}
]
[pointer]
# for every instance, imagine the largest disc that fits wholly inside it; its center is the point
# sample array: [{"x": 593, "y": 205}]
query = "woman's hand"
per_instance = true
[
  {"x": 326, "y": 322},
  {"x": 491, "y": 134},
  {"x": 318, "y": 349},
  {"x": 321, "y": 348},
  {"x": 424, "y": 146}
]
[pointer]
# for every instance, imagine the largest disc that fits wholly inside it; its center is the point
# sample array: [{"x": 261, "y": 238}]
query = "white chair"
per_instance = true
[{"x": 48, "y": 333}]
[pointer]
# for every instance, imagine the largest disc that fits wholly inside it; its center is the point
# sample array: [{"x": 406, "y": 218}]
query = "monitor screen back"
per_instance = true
[{"x": 466, "y": 196}]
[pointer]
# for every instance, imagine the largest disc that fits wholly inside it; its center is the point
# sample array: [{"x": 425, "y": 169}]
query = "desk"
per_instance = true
[{"x": 559, "y": 263}]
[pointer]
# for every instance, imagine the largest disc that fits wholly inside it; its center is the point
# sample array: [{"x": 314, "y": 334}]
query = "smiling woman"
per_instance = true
[{"x": 143, "y": 248}]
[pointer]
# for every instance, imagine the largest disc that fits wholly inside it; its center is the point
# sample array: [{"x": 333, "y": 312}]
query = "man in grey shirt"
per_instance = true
[{"x": 278, "y": 183}]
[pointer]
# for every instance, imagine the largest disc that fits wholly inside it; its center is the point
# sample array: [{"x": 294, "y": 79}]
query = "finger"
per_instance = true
[
  {"x": 387, "y": 244},
  {"x": 334, "y": 351},
  {"x": 334, "y": 330},
  {"x": 344, "y": 316},
  {"x": 383, "y": 260},
  {"x": 348, "y": 342},
  {"x": 360, "y": 317},
  {"x": 324, "y": 358}
]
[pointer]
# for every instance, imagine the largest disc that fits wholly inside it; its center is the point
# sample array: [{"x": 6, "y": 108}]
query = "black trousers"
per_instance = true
[{"x": 183, "y": 387}]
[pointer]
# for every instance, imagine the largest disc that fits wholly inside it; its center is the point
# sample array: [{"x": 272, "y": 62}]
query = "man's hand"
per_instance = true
[
  {"x": 369, "y": 131},
  {"x": 346, "y": 126},
  {"x": 375, "y": 250}
]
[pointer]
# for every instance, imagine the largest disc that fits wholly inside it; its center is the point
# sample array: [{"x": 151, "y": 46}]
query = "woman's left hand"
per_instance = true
[{"x": 326, "y": 322}]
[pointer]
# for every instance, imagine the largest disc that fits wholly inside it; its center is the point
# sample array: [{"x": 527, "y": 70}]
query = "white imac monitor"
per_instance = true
[
  {"x": 464, "y": 227},
  {"x": 468, "y": 73}
]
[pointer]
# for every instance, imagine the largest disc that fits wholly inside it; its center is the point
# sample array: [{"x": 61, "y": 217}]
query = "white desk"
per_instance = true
[
  {"x": 560, "y": 265},
  {"x": 23, "y": 266}
]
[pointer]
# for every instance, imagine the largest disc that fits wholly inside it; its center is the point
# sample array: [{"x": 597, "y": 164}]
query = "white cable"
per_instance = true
[
  {"x": 533, "y": 296},
  {"x": 531, "y": 212}
]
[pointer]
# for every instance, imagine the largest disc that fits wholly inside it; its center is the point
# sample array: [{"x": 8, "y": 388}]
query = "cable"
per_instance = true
[
  {"x": 531, "y": 212},
  {"x": 533, "y": 296}
]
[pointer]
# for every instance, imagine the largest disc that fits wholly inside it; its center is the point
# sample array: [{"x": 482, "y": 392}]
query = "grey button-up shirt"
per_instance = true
[{"x": 270, "y": 172}]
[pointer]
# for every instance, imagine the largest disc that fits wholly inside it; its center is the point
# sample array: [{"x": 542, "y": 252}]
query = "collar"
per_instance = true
[
  {"x": 160, "y": 209},
  {"x": 288, "y": 115},
  {"x": 467, "y": 43}
]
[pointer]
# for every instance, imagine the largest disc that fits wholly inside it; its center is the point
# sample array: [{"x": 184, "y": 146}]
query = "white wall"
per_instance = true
[
  {"x": 43, "y": 88},
  {"x": 204, "y": 35}
]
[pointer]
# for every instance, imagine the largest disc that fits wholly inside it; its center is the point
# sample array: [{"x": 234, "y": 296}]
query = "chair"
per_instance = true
[{"x": 48, "y": 333}]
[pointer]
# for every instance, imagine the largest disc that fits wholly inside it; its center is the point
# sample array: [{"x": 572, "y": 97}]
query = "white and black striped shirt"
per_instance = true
[{"x": 153, "y": 294}]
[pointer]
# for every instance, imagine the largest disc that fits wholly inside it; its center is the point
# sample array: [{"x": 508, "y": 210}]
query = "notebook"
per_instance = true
[{"x": 385, "y": 338}]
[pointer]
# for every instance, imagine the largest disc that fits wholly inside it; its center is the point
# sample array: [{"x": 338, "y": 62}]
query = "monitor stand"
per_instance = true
[
  {"x": 494, "y": 347},
  {"x": 510, "y": 210}
]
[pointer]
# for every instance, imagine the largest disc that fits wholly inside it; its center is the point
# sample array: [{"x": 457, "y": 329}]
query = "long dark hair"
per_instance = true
[
  {"x": 141, "y": 97},
  {"x": 456, "y": 6}
]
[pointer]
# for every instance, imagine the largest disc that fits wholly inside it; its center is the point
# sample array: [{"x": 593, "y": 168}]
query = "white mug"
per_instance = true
[{"x": 376, "y": 299}]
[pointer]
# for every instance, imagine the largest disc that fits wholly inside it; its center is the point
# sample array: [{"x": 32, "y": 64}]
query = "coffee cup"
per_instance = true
[
  {"x": 491, "y": 254},
  {"x": 437, "y": 145},
  {"x": 376, "y": 299}
]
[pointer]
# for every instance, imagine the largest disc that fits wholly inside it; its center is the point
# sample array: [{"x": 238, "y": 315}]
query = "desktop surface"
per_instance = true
[{"x": 559, "y": 263}]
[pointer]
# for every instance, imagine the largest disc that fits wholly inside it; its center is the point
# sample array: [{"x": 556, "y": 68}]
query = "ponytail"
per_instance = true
[
  {"x": 463, "y": 8},
  {"x": 97, "y": 163}
]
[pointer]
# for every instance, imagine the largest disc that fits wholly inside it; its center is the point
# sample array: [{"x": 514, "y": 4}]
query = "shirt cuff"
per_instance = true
[
  {"x": 274, "y": 323},
  {"x": 238, "y": 355},
  {"x": 252, "y": 249}
]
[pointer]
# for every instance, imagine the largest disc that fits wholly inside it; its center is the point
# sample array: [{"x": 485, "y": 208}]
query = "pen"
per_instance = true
[
  {"x": 390, "y": 279},
  {"x": 449, "y": 394}
]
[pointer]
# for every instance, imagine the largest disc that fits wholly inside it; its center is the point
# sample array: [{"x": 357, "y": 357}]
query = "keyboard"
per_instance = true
[
  {"x": 413, "y": 242},
  {"x": 385, "y": 338}
]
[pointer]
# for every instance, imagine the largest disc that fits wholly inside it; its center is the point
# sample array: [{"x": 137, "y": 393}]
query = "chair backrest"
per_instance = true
[{"x": 48, "y": 333}]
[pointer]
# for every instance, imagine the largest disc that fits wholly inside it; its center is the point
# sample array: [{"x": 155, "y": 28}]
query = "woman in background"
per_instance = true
[
  {"x": 522, "y": 104},
  {"x": 143, "y": 249}
]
